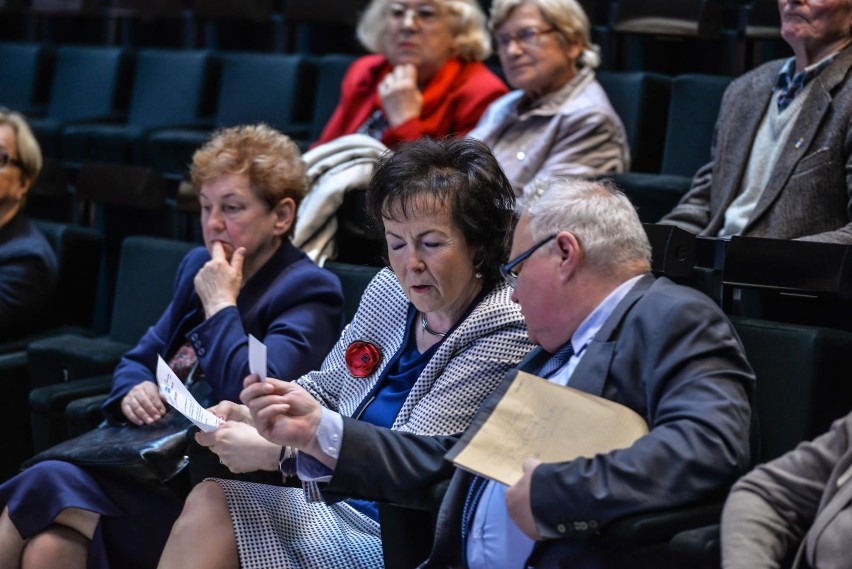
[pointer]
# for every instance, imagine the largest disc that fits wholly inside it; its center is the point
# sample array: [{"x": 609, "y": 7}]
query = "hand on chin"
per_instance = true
[{"x": 227, "y": 248}]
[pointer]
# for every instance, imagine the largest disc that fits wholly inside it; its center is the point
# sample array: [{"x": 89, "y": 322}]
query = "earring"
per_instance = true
[{"x": 477, "y": 275}]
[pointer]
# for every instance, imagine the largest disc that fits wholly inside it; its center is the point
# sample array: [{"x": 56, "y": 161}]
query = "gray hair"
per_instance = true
[
  {"x": 567, "y": 16},
  {"x": 467, "y": 23},
  {"x": 597, "y": 213}
]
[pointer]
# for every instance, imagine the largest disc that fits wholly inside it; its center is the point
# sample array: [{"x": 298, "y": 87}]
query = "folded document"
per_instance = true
[{"x": 533, "y": 417}]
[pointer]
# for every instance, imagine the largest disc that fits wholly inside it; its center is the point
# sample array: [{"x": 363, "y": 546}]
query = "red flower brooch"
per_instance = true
[{"x": 362, "y": 358}]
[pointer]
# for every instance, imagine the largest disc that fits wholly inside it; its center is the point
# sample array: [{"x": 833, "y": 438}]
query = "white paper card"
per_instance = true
[
  {"x": 257, "y": 357},
  {"x": 179, "y": 397}
]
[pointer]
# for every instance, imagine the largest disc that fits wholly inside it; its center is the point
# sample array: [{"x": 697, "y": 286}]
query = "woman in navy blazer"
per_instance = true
[
  {"x": 27, "y": 262},
  {"x": 249, "y": 279}
]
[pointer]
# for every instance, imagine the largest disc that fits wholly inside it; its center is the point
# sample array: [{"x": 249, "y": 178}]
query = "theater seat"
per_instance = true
[
  {"x": 78, "y": 252},
  {"x": 168, "y": 91},
  {"x": 330, "y": 70},
  {"x": 802, "y": 386},
  {"x": 87, "y": 86},
  {"x": 642, "y": 101},
  {"x": 68, "y": 367},
  {"x": 692, "y": 112},
  {"x": 354, "y": 280},
  {"x": 281, "y": 95},
  {"x": 24, "y": 77}
]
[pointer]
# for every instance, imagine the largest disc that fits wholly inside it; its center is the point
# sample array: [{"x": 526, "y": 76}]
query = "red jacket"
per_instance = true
[{"x": 453, "y": 100}]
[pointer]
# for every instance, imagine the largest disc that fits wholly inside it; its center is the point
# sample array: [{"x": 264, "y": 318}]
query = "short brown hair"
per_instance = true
[{"x": 270, "y": 159}]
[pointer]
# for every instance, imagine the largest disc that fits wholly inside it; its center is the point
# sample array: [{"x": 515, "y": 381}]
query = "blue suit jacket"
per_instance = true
[
  {"x": 666, "y": 352},
  {"x": 292, "y": 305},
  {"x": 27, "y": 278}
]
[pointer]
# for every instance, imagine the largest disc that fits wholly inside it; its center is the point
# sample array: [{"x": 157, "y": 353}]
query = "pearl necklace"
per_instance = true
[{"x": 425, "y": 325}]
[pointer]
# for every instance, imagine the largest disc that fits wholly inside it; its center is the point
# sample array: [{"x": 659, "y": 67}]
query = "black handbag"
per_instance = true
[{"x": 152, "y": 455}]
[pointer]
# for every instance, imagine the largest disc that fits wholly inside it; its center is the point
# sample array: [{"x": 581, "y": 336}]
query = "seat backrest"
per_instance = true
[
  {"x": 658, "y": 17},
  {"x": 259, "y": 87},
  {"x": 169, "y": 87},
  {"x": 329, "y": 12},
  {"x": 144, "y": 285},
  {"x": 330, "y": 72},
  {"x": 693, "y": 108},
  {"x": 641, "y": 99},
  {"x": 78, "y": 253},
  {"x": 86, "y": 81},
  {"x": 764, "y": 20},
  {"x": 802, "y": 382},
  {"x": 121, "y": 201},
  {"x": 24, "y": 76},
  {"x": 256, "y": 10},
  {"x": 354, "y": 280}
]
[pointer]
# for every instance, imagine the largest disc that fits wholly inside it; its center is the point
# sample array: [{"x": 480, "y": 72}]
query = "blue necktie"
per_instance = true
[
  {"x": 557, "y": 360},
  {"x": 478, "y": 484}
]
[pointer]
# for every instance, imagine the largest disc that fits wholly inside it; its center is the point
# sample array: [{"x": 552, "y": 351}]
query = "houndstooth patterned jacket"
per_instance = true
[{"x": 467, "y": 366}]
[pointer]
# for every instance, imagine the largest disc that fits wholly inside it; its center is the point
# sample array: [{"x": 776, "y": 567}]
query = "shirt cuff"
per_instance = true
[{"x": 329, "y": 436}]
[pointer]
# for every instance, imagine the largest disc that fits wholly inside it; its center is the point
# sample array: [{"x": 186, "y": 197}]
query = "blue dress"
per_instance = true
[{"x": 291, "y": 304}]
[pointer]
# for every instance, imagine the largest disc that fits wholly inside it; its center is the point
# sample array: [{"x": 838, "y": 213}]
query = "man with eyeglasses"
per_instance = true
[
  {"x": 605, "y": 325},
  {"x": 27, "y": 262}
]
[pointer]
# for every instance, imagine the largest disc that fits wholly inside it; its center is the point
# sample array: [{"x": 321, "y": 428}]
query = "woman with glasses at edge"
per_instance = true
[
  {"x": 27, "y": 262},
  {"x": 425, "y": 76},
  {"x": 558, "y": 121}
]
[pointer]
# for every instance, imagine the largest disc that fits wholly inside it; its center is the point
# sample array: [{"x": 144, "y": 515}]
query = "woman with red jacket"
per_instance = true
[{"x": 426, "y": 77}]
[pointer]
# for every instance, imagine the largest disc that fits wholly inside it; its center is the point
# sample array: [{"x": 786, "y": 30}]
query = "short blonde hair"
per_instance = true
[
  {"x": 567, "y": 16},
  {"x": 467, "y": 23},
  {"x": 270, "y": 159},
  {"x": 29, "y": 151}
]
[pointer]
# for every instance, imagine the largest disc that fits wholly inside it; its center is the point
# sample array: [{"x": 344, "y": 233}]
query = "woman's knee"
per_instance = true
[
  {"x": 57, "y": 546},
  {"x": 206, "y": 503}
]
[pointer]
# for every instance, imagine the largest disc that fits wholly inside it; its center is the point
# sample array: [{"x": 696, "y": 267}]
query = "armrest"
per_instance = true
[
  {"x": 71, "y": 357},
  {"x": 112, "y": 118},
  {"x": 407, "y": 533},
  {"x": 659, "y": 527},
  {"x": 84, "y": 414},
  {"x": 12, "y": 367},
  {"x": 22, "y": 343},
  {"x": 55, "y": 398},
  {"x": 48, "y": 404},
  {"x": 15, "y": 439},
  {"x": 696, "y": 548}
]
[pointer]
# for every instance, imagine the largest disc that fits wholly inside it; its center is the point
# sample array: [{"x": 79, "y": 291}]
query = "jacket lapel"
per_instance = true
[
  {"x": 808, "y": 122},
  {"x": 593, "y": 369},
  {"x": 733, "y": 147},
  {"x": 836, "y": 499}
]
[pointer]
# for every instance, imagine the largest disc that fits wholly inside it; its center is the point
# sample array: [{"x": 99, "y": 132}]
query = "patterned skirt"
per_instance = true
[{"x": 276, "y": 526}]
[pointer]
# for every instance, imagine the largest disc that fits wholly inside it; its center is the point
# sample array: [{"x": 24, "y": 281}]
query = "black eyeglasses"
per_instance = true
[
  {"x": 5, "y": 160},
  {"x": 527, "y": 37},
  {"x": 509, "y": 271}
]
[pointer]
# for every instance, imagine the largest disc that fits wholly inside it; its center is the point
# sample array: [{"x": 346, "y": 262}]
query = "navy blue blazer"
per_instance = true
[
  {"x": 27, "y": 278},
  {"x": 291, "y": 304},
  {"x": 667, "y": 352}
]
